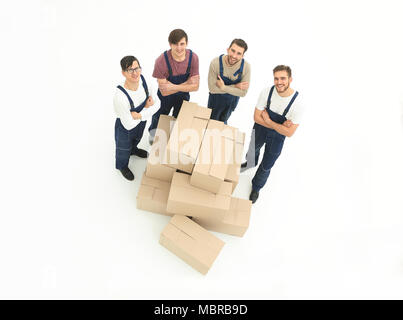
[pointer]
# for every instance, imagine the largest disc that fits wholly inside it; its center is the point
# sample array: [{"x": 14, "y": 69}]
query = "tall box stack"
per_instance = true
[
  {"x": 186, "y": 136},
  {"x": 219, "y": 158},
  {"x": 192, "y": 171}
]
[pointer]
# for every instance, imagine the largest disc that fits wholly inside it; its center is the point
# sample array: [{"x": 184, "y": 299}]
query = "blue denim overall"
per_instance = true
[
  {"x": 223, "y": 105},
  {"x": 274, "y": 144},
  {"x": 174, "y": 100},
  {"x": 127, "y": 140}
]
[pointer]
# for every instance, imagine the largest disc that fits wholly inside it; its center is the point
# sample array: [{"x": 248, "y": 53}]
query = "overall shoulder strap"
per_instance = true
[
  {"x": 145, "y": 85},
  {"x": 269, "y": 97},
  {"x": 240, "y": 70},
  {"x": 290, "y": 103},
  {"x": 168, "y": 64},
  {"x": 127, "y": 95},
  {"x": 221, "y": 67},
  {"x": 190, "y": 61}
]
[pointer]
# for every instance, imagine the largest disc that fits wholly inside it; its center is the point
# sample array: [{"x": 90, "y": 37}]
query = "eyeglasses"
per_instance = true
[{"x": 138, "y": 69}]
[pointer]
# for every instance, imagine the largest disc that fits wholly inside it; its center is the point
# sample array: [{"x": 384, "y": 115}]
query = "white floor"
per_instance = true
[{"x": 327, "y": 225}]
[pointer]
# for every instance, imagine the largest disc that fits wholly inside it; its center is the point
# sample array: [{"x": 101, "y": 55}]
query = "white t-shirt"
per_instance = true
[
  {"x": 279, "y": 104},
  {"x": 122, "y": 105}
]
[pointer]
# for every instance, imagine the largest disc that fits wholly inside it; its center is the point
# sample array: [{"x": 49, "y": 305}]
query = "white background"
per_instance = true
[{"x": 328, "y": 224}]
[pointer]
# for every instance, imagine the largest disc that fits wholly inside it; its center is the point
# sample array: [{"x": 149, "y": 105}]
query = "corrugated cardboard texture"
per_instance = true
[
  {"x": 155, "y": 167},
  {"x": 219, "y": 158},
  {"x": 182, "y": 154},
  {"x": 190, "y": 242},
  {"x": 153, "y": 195},
  {"x": 188, "y": 200},
  {"x": 235, "y": 221}
]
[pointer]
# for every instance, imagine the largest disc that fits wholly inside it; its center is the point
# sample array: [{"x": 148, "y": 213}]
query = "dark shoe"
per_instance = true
[
  {"x": 127, "y": 173},
  {"x": 245, "y": 166},
  {"x": 253, "y": 196},
  {"x": 140, "y": 153}
]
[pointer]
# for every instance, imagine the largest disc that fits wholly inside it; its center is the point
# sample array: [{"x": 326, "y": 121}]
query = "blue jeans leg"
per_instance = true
[
  {"x": 219, "y": 105},
  {"x": 136, "y": 134},
  {"x": 224, "y": 114},
  {"x": 123, "y": 146},
  {"x": 165, "y": 108},
  {"x": 257, "y": 140},
  {"x": 154, "y": 121},
  {"x": 232, "y": 106},
  {"x": 177, "y": 103},
  {"x": 215, "y": 106},
  {"x": 272, "y": 151}
]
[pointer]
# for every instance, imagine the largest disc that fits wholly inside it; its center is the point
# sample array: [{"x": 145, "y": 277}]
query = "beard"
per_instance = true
[
  {"x": 284, "y": 88},
  {"x": 232, "y": 62}
]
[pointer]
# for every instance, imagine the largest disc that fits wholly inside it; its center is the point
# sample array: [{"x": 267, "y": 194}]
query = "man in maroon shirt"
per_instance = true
[{"x": 177, "y": 73}]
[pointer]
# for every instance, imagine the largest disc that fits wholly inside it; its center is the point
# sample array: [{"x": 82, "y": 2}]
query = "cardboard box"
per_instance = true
[
  {"x": 234, "y": 169},
  {"x": 219, "y": 158},
  {"x": 153, "y": 195},
  {"x": 186, "y": 136},
  {"x": 155, "y": 162},
  {"x": 235, "y": 221},
  {"x": 189, "y": 200},
  {"x": 190, "y": 242}
]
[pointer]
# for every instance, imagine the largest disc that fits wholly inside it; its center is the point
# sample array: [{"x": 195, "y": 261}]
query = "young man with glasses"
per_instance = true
[
  {"x": 277, "y": 115},
  {"x": 228, "y": 79},
  {"x": 134, "y": 104},
  {"x": 177, "y": 73}
]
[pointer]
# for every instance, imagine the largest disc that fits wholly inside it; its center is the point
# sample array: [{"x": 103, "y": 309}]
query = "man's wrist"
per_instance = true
[{"x": 269, "y": 122}]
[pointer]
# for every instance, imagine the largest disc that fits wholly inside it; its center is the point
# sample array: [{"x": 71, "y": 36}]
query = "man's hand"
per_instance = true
[
  {"x": 242, "y": 85},
  {"x": 135, "y": 115},
  {"x": 149, "y": 102},
  {"x": 220, "y": 83},
  {"x": 288, "y": 123},
  {"x": 266, "y": 117},
  {"x": 167, "y": 86}
]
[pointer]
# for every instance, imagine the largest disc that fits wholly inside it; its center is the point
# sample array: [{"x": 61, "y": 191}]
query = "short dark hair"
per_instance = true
[
  {"x": 127, "y": 61},
  {"x": 176, "y": 35},
  {"x": 282, "y": 67},
  {"x": 239, "y": 42}
]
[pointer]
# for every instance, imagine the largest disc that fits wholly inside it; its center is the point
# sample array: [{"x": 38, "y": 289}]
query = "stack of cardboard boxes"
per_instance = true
[{"x": 192, "y": 169}]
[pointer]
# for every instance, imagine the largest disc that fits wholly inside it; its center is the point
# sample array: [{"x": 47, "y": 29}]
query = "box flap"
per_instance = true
[
  {"x": 192, "y": 230},
  {"x": 182, "y": 180},
  {"x": 202, "y": 113}
]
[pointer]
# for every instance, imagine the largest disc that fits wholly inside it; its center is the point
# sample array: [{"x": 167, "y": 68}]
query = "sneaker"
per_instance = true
[
  {"x": 140, "y": 153},
  {"x": 127, "y": 173},
  {"x": 253, "y": 196}
]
